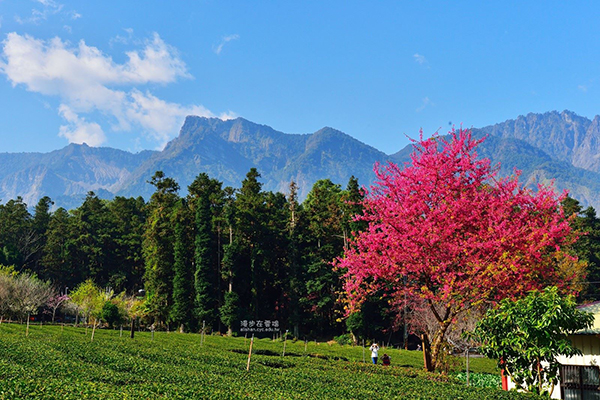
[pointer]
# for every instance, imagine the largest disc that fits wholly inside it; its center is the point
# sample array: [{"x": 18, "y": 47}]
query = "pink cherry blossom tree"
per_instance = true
[
  {"x": 447, "y": 230},
  {"x": 55, "y": 302}
]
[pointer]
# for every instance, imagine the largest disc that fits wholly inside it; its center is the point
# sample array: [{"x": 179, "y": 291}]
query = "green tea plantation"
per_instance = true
[{"x": 62, "y": 363}]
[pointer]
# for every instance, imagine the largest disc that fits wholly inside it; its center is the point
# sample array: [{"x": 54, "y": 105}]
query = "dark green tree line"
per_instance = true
[{"x": 216, "y": 256}]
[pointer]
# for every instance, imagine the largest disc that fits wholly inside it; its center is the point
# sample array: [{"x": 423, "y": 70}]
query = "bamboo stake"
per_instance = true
[{"x": 250, "y": 353}]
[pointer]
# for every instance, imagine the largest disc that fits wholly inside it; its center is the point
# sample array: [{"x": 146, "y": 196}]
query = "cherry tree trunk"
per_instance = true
[{"x": 438, "y": 341}]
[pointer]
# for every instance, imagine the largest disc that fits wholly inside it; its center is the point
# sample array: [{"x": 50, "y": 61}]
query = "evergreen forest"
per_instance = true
[
  {"x": 216, "y": 256},
  {"x": 221, "y": 255}
]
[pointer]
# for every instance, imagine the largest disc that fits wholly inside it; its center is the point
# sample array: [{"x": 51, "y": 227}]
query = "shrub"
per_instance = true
[
  {"x": 111, "y": 314},
  {"x": 346, "y": 338}
]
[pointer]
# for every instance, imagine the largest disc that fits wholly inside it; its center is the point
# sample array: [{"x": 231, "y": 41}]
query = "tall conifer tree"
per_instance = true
[
  {"x": 158, "y": 246},
  {"x": 183, "y": 269}
]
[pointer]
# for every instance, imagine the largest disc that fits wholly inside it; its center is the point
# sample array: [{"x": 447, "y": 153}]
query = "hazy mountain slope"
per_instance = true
[
  {"x": 66, "y": 174},
  {"x": 226, "y": 150},
  {"x": 329, "y": 153},
  {"x": 560, "y": 146}
]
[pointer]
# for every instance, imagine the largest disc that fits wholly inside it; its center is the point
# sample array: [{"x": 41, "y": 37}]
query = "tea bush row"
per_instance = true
[{"x": 53, "y": 363}]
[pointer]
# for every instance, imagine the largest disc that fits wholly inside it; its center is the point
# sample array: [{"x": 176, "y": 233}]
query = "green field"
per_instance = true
[{"x": 63, "y": 364}]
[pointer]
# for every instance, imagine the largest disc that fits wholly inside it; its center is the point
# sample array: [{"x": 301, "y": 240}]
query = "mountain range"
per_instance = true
[{"x": 563, "y": 147}]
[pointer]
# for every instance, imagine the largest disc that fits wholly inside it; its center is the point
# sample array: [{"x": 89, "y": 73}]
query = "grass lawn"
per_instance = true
[{"x": 53, "y": 363}]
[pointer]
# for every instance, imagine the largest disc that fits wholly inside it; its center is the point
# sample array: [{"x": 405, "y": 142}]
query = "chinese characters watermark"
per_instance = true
[{"x": 262, "y": 325}]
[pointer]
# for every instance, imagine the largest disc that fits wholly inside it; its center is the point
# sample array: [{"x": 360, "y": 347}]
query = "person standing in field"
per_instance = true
[
  {"x": 374, "y": 352},
  {"x": 385, "y": 360}
]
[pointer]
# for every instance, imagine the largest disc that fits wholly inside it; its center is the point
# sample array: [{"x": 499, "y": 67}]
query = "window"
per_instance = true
[{"x": 579, "y": 382}]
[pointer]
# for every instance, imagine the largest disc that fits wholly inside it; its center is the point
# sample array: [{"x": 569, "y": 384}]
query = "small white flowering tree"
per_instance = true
[
  {"x": 6, "y": 289},
  {"x": 28, "y": 295}
]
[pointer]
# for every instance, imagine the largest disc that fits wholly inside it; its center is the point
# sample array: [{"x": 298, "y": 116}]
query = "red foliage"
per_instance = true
[{"x": 447, "y": 229}]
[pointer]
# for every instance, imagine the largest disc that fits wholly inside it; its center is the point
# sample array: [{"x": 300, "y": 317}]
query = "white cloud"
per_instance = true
[
  {"x": 48, "y": 3},
  {"x": 49, "y": 7},
  {"x": 420, "y": 59},
  {"x": 159, "y": 117},
  {"x": 158, "y": 62},
  {"x": 228, "y": 115},
  {"x": 426, "y": 102},
  {"x": 78, "y": 129},
  {"x": 68, "y": 28},
  {"x": 582, "y": 88},
  {"x": 122, "y": 39},
  {"x": 86, "y": 80},
  {"x": 224, "y": 41}
]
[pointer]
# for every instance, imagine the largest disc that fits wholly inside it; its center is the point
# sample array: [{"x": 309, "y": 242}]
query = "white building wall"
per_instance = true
[
  {"x": 589, "y": 346},
  {"x": 554, "y": 395}
]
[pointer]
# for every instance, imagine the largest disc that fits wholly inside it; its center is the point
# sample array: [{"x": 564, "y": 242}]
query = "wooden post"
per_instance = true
[
  {"x": 250, "y": 353},
  {"x": 202, "y": 336},
  {"x": 426, "y": 353},
  {"x": 27, "y": 330},
  {"x": 121, "y": 331},
  {"x": 93, "y": 331},
  {"x": 284, "y": 343},
  {"x": 305, "y": 344}
]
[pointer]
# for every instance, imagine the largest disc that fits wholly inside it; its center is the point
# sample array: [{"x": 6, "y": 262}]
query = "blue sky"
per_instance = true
[{"x": 125, "y": 73}]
